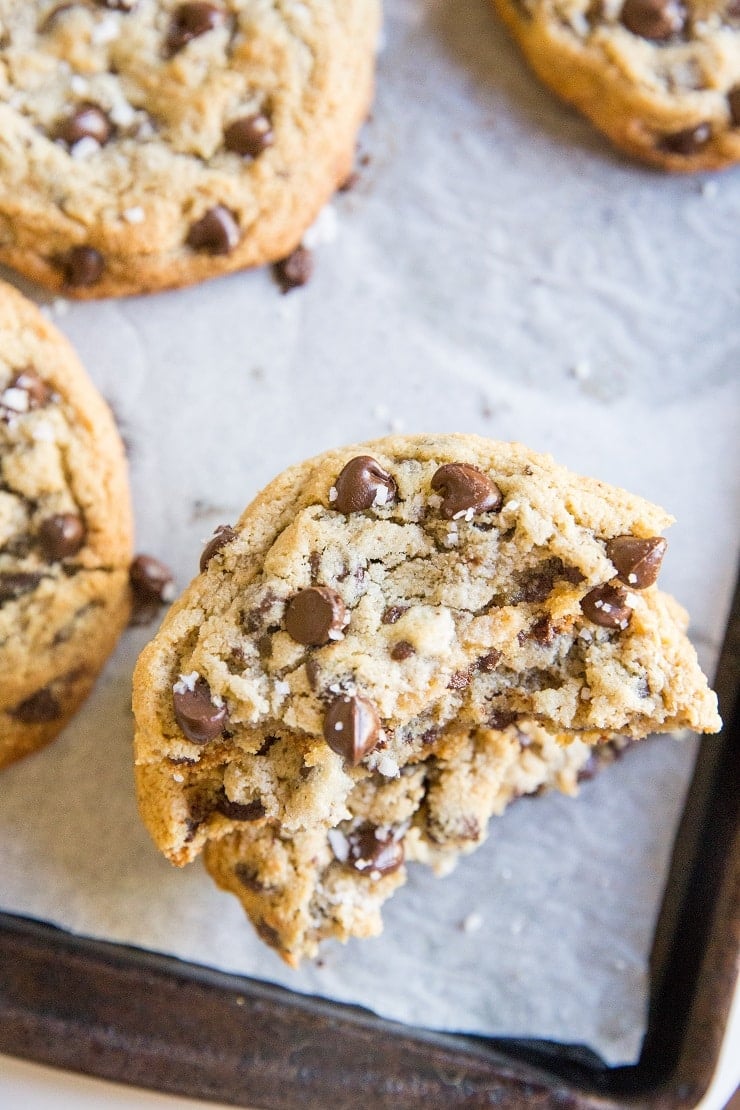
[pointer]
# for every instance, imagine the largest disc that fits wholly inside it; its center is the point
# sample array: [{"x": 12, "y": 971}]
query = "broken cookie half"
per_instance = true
[{"x": 412, "y": 619}]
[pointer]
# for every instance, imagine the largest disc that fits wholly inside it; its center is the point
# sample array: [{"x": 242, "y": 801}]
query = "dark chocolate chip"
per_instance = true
[
  {"x": 687, "y": 142},
  {"x": 463, "y": 488},
  {"x": 39, "y": 709},
  {"x": 237, "y": 811},
  {"x": 637, "y": 561},
  {"x": 656, "y": 20},
  {"x": 542, "y": 631},
  {"x": 607, "y": 606},
  {"x": 402, "y": 650},
  {"x": 82, "y": 266},
  {"x": 295, "y": 270},
  {"x": 537, "y": 583},
  {"x": 248, "y": 876},
  {"x": 151, "y": 579},
  {"x": 268, "y": 934},
  {"x": 373, "y": 851},
  {"x": 196, "y": 713},
  {"x": 489, "y": 662},
  {"x": 267, "y": 743},
  {"x": 312, "y": 615},
  {"x": 216, "y": 232},
  {"x": 430, "y": 735},
  {"x": 249, "y": 135},
  {"x": 351, "y": 727},
  {"x": 362, "y": 484},
  {"x": 87, "y": 121},
  {"x": 393, "y": 613},
  {"x": 62, "y": 535},
  {"x": 501, "y": 719},
  {"x": 190, "y": 21},
  {"x": 459, "y": 680},
  {"x": 223, "y": 535},
  {"x": 14, "y": 585},
  {"x": 39, "y": 393},
  {"x": 733, "y": 100}
]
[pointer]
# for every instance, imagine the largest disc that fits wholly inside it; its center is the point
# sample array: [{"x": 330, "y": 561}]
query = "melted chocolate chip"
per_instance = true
[
  {"x": 196, "y": 713},
  {"x": 637, "y": 561},
  {"x": 656, "y": 20},
  {"x": 607, "y": 606},
  {"x": 87, "y": 121},
  {"x": 117, "y": 5},
  {"x": 362, "y": 484},
  {"x": 14, "y": 585},
  {"x": 216, "y": 232},
  {"x": 393, "y": 613},
  {"x": 500, "y": 719},
  {"x": 373, "y": 851},
  {"x": 542, "y": 631},
  {"x": 465, "y": 488},
  {"x": 488, "y": 663},
  {"x": 248, "y": 876},
  {"x": 39, "y": 393},
  {"x": 190, "y": 21},
  {"x": 237, "y": 811},
  {"x": 351, "y": 727},
  {"x": 62, "y": 535},
  {"x": 733, "y": 101},
  {"x": 151, "y": 580},
  {"x": 537, "y": 583},
  {"x": 82, "y": 266},
  {"x": 312, "y": 615},
  {"x": 41, "y": 708},
  {"x": 687, "y": 142},
  {"x": 268, "y": 934},
  {"x": 249, "y": 135},
  {"x": 402, "y": 650},
  {"x": 223, "y": 535},
  {"x": 295, "y": 270}
]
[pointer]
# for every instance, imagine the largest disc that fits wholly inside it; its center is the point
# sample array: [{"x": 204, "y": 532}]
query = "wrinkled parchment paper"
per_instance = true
[{"x": 496, "y": 270}]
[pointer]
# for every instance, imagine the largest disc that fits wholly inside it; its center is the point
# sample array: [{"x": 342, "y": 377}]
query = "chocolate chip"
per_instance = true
[
  {"x": 315, "y": 616},
  {"x": 637, "y": 561},
  {"x": 733, "y": 100},
  {"x": 39, "y": 709},
  {"x": 687, "y": 142},
  {"x": 223, "y": 535},
  {"x": 82, "y": 266},
  {"x": 117, "y": 5},
  {"x": 459, "y": 680},
  {"x": 607, "y": 606},
  {"x": 217, "y": 232},
  {"x": 195, "y": 712},
  {"x": 268, "y": 934},
  {"x": 362, "y": 484},
  {"x": 39, "y": 393},
  {"x": 190, "y": 21},
  {"x": 489, "y": 662},
  {"x": 151, "y": 579},
  {"x": 373, "y": 851},
  {"x": 656, "y": 20},
  {"x": 87, "y": 121},
  {"x": 501, "y": 719},
  {"x": 393, "y": 613},
  {"x": 351, "y": 727},
  {"x": 402, "y": 650},
  {"x": 62, "y": 535},
  {"x": 464, "y": 489},
  {"x": 236, "y": 811},
  {"x": 13, "y": 586},
  {"x": 542, "y": 631},
  {"x": 249, "y": 876},
  {"x": 249, "y": 135},
  {"x": 295, "y": 270}
]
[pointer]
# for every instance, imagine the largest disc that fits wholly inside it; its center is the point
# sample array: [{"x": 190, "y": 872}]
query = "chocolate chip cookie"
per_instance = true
[
  {"x": 377, "y": 597},
  {"x": 303, "y": 887},
  {"x": 65, "y": 530},
  {"x": 152, "y": 144},
  {"x": 661, "y": 78}
]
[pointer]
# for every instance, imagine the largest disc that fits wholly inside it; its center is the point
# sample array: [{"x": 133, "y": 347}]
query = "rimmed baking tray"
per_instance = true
[{"x": 135, "y": 1017}]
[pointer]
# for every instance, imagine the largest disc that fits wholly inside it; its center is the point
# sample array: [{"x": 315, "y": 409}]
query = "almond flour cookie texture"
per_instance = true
[
  {"x": 146, "y": 144},
  {"x": 65, "y": 530},
  {"x": 394, "y": 641},
  {"x": 661, "y": 78}
]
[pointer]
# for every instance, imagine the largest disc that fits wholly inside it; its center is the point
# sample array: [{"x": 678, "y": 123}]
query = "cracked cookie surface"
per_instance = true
[
  {"x": 151, "y": 144},
  {"x": 374, "y": 598},
  {"x": 661, "y": 78},
  {"x": 65, "y": 530}
]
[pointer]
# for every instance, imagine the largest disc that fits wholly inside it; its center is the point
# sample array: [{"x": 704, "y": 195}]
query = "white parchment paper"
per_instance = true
[{"x": 497, "y": 270}]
